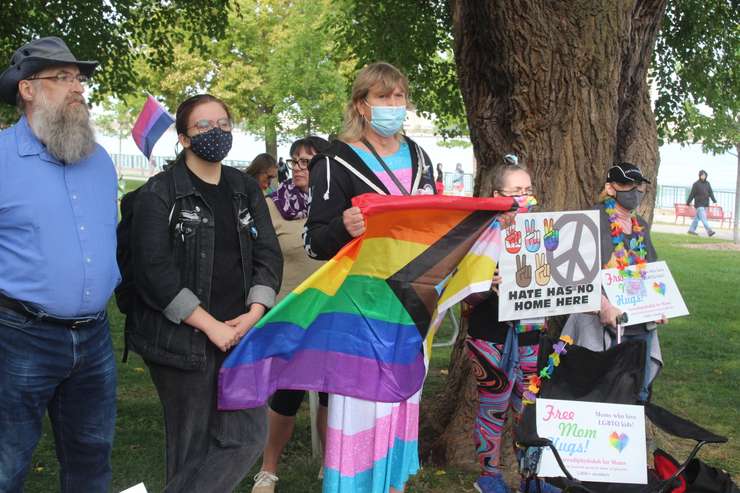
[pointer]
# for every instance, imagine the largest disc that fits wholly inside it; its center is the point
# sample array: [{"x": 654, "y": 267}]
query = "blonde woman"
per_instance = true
[{"x": 371, "y": 447}]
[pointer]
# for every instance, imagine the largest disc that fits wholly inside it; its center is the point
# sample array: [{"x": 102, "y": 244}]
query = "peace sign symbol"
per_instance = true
[{"x": 571, "y": 257}]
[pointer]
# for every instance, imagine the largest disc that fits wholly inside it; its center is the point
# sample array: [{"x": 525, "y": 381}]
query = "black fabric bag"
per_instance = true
[{"x": 703, "y": 478}]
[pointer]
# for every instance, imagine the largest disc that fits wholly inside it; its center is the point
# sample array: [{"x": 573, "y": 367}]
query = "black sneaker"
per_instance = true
[{"x": 712, "y": 233}]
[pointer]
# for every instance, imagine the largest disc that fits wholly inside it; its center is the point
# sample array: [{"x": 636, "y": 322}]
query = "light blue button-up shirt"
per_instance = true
[{"x": 57, "y": 226}]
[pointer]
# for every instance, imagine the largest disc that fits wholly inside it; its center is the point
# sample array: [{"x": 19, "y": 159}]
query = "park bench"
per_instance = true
[
  {"x": 716, "y": 213},
  {"x": 683, "y": 211}
]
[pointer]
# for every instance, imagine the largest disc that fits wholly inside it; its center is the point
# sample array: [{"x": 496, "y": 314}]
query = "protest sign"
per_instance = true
[
  {"x": 550, "y": 265},
  {"x": 598, "y": 442},
  {"x": 646, "y": 298}
]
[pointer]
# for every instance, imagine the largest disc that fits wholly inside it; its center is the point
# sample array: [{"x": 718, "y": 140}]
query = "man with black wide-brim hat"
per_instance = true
[{"x": 58, "y": 215}]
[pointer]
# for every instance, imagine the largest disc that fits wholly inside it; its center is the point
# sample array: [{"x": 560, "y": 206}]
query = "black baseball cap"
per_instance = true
[{"x": 625, "y": 173}]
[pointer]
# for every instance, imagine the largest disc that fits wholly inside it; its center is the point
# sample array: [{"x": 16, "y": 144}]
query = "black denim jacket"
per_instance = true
[{"x": 173, "y": 248}]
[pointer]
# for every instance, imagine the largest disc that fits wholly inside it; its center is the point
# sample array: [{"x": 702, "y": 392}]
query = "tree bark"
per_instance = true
[
  {"x": 562, "y": 84},
  {"x": 735, "y": 230},
  {"x": 271, "y": 140}
]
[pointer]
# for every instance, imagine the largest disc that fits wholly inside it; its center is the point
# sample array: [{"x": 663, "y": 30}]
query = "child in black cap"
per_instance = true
[{"x": 625, "y": 241}]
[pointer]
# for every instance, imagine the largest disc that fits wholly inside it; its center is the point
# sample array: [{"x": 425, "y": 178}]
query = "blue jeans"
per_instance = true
[
  {"x": 72, "y": 375},
  {"x": 701, "y": 215}
]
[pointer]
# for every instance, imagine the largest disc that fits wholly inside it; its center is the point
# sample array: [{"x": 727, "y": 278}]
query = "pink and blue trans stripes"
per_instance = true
[
  {"x": 371, "y": 455},
  {"x": 399, "y": 163},
  {"x": 152, "y": 122}
]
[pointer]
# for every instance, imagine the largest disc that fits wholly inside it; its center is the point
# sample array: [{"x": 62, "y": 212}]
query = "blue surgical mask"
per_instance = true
[{"x": 387, "y": 120}]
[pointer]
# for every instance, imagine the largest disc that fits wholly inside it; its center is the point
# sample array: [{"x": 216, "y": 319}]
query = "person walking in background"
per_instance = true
[
  {"x": 288, "y": 207},
  {"x": 283, "y": 173},
  {"x": 58, "y": 214},
  {"x": 264, "y": 169},
  {"x": 458, "y": 180},
  {"x": 439, "y": 184},
  {"x": 701, "y": 192},
  {"x": 207, "y": 266}
]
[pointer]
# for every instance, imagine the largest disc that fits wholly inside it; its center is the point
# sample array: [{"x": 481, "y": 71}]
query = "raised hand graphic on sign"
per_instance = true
[
  {"x": 513, "y": 239},
  {"x": 532, "y": 238},
  {"x": 542, "y": 273},
  {"x": 523, "y": 271},
  {"x": 552, "y": 236}
]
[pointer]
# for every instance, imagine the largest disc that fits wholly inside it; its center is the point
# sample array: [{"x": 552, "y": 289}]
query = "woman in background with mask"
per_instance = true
[
  {"x": 625, "y": 241},
  {"x": 207, "y": 265},
  {"x": 371, "y": 446}
]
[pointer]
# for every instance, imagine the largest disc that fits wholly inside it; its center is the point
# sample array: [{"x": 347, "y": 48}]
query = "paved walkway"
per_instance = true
[{"x": 681, "y": 229}]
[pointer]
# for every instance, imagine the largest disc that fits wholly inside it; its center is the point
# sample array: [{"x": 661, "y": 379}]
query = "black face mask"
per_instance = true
[
  {"x": 631, "y": 199},
  {"x": 212, "y": 146}
]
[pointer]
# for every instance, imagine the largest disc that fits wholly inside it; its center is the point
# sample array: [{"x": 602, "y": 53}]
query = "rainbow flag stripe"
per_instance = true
[
  {"x": 152, "y": 122},
  {"x": 356, "y": 326}
]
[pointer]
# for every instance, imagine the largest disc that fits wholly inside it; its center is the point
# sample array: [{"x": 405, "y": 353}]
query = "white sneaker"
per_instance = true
[{"x": 264, "y": 482}]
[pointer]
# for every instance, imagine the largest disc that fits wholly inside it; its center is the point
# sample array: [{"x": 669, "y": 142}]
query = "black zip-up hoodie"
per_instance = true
[
  {"x": 701, "y": 192},
  {"x": 336, "y": 176}
]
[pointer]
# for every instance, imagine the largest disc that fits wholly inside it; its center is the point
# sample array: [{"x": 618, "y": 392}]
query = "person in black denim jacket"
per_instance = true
[{"x": 207, "y": 265}]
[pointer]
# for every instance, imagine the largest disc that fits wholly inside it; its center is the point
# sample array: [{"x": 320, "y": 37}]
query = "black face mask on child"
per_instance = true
[
  {"x": 212, "y": 146},
  {"x": 630, "y": 199}
]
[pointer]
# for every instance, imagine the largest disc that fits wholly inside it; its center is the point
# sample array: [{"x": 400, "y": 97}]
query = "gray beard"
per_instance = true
[{"x": 64, "y": 129}]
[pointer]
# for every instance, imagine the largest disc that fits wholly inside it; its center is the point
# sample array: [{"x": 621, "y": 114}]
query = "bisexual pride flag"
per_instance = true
[
  {"x": 359, "y": 325},
  {"x": 152, "y": 122}
]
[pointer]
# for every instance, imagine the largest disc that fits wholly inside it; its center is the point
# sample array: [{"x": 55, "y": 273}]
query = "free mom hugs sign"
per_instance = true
[{"x": 597, "y": 442}]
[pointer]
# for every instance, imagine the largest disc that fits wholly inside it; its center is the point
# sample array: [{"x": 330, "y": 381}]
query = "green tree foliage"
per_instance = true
[
  {"x": 118, "y": 116},
  {"x": 697, "y": 60},
  {"x": 114, "y": 32},
  {"x": 274, "y": 67},
  {"x": 696, "y": 71},
  {"x": 415, "y": 36}
]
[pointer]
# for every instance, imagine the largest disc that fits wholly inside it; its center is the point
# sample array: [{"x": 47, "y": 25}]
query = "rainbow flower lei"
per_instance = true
[
  {"x": 637, "y": 252},
  {"x": 535, "y": 381}
]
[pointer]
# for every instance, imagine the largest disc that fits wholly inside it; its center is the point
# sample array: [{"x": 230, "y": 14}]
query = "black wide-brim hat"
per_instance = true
[{"x": 32, "y": 58}]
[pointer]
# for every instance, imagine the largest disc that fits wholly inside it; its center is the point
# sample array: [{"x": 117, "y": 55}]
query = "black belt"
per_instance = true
[{"x": 21, "y": 309}]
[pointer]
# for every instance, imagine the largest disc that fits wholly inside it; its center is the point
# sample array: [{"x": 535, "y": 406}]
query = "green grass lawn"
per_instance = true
[{"x": 699, "y": 382}]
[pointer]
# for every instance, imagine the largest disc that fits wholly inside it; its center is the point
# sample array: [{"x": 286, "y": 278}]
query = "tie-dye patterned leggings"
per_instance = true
[{"x": 496, "y": 391}]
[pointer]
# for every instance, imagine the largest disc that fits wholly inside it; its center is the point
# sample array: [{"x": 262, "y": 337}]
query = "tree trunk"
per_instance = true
[
  {"x": 735, "y": 231},
  {"x": 271, "y": 139},
  {"x": 562, "y": 84}
]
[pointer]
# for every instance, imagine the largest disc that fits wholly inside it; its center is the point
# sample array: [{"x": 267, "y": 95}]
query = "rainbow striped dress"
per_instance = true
[{"x": 373, "y": 446}]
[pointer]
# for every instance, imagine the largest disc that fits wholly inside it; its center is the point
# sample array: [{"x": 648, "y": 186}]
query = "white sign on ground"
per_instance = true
[
  {"x": 138, "y": 488},
  {"x": 550, "y": 265}
]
